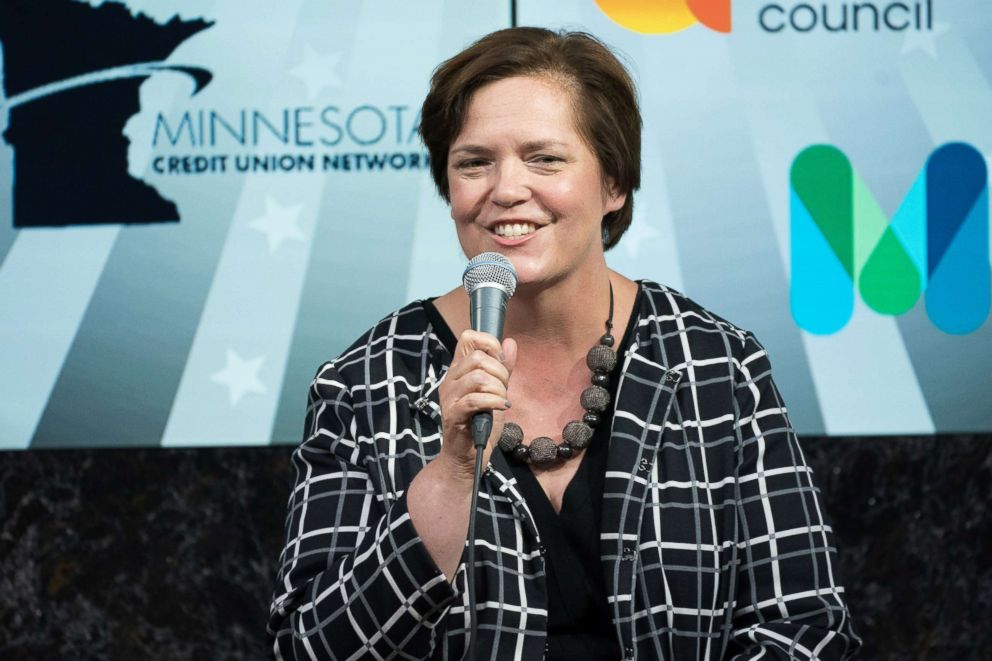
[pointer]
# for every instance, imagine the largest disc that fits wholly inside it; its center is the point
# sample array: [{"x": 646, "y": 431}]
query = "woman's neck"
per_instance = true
[
  {"x": 563, "y": 317},
  {"x": 566, "y": 314}
]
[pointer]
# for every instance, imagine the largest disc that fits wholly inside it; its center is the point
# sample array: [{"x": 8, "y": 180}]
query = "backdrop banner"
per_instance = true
[{"x": 201, "y": 201}]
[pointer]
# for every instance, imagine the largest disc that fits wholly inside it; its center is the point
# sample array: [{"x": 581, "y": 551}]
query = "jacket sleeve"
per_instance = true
[
  {"x": 354, "y": 580},
  {"x": 790, "y": 603}
]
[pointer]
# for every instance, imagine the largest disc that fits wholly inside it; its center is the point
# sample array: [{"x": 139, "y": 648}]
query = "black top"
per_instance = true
[{"x": 579, "y": 621}]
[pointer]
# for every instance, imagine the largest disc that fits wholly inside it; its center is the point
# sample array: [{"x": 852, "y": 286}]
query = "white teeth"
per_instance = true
[{"x": 512, "y": 230}]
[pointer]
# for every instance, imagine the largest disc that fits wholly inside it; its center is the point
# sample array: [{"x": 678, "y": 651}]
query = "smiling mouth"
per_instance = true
[{"x": 514, "y": 230}]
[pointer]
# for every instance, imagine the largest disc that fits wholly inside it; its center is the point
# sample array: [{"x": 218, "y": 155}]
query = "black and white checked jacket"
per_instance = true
[{"x": 714, "y": 541}]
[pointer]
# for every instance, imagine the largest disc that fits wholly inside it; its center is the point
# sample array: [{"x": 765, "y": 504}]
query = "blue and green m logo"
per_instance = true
[{"x": 937, "y": 241}]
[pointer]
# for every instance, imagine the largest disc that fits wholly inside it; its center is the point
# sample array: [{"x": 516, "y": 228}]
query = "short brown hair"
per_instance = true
[{"x": 603, "y": 94}]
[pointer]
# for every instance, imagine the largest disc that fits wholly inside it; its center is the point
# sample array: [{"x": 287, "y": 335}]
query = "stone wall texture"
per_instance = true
[{"x": 170, "y": 554}]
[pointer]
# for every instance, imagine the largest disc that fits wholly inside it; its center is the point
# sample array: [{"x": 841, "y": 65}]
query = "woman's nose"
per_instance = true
[{"x": 510, "y": 186}]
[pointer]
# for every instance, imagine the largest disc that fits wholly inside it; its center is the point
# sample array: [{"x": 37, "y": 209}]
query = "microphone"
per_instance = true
[{"x": 490, "y": 281}]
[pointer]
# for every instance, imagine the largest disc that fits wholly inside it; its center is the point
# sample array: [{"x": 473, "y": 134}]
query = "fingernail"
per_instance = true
[
  {"x": 502, "y": 357},
  {"x": 507, "y": 402}
]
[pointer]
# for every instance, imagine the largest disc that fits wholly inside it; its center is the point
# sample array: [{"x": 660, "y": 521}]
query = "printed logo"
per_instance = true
[
  {"x": 69, "y": 92},
  {"x": 667, "y": 16},
  {"x": 937, "y": 241},
  {"x": 841, "y": 17},
  {"x": 837, "y": 17}
]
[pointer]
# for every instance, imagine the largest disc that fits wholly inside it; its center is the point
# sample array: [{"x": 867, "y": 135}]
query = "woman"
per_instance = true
[{"x": 678, "y": 520}]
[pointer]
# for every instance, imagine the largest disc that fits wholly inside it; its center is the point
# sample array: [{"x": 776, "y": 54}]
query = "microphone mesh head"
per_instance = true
[{"x": 489, "y": 268}]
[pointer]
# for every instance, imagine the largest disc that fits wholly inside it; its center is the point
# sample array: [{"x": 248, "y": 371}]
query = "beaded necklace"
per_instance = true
[{"x": 577, "y": 434}]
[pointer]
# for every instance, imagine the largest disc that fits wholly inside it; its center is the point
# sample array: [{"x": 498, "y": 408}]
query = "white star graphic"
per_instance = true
[
  {"x": 279, "y": 223},
  {"x": 240, "y": 376},
  {"x": 317, "y": 71},
  {"x": 638, "y": 232},
  {"x": 924, "y": 40}
]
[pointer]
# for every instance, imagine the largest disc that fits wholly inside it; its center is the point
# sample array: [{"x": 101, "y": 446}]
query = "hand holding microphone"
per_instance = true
[
  {"x": 478, "y": 377},
  {"x": 490, "y": 281}
]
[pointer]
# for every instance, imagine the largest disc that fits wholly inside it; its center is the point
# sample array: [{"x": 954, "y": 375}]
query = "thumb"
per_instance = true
[{"x": 509, "y": 354}]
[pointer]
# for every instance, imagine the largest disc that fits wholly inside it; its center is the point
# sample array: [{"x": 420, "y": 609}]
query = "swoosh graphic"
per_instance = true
[{"x": 201, "y": 78}]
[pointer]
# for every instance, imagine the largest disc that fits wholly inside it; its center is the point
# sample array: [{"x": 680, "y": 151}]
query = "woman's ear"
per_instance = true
[{"x": 613, "y": 198}]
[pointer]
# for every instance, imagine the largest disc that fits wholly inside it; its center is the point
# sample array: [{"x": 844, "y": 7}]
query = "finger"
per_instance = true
[
  {"x": 481, "y": 361},
  {"x": 475, "y": 382},
  {"x": 509, "y": 353},
  {"x": 483, "y": 382},
  {"x": 479, "y": 402},
  {"x": 471, "y": 340}
]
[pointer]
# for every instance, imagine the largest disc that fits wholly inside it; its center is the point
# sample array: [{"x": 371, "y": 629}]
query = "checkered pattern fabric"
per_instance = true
[{"x": 714, "y": 542}]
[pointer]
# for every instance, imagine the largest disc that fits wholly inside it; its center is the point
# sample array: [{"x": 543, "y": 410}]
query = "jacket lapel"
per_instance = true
[
  {"x": 500, "y": 477},
  {"x": 644, "y": 399}
]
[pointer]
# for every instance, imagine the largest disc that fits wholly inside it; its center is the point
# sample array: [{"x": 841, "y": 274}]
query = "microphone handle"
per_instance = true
[
  {"x": 482, "y": 426},
  {"x": 487, "y": 312}
]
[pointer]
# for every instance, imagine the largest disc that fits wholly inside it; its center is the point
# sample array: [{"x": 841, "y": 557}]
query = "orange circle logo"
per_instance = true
[{"x": 667, "y": 16}]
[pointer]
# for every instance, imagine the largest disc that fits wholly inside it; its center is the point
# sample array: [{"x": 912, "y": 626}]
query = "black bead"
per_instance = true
[
  {"x": 543, "y": 451},
  {"x": 511, "y": 437},
  {"x": 601, "y": 358},
  {"x": 595, "y": 398},
  {"x": 521, "y": 453},
  {"x": 599, "y": 379},
  {"x": 607, "y": 340},
  {"x": 577, "y": 434},
  {"x": 591, "y": 419},
  {"x": 565, "y": 451},
  {"x": 514, "y": 431}
]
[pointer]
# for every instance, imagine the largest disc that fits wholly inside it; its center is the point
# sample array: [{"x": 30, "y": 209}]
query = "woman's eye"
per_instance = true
[{"x": 547, "y": 159}]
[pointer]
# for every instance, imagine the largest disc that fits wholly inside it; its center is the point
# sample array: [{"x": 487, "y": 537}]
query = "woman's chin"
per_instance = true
[{"x": 535, "y": 276}]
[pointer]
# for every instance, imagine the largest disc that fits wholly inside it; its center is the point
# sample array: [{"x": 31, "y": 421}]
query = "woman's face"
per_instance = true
[{"x": 524, "y": 183}]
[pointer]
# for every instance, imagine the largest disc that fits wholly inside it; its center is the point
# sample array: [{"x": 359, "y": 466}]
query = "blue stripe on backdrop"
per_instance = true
[
  {"x": 352, "y": 279},
  {"x": 974, "y": 36},
  {"x": 957, "y": 391},
  {"x": 7, "y": 232},
  {"x": 47, "y": 280},
  {"x": 886, "y": 154},
  {"x": 119, "y": 379}
]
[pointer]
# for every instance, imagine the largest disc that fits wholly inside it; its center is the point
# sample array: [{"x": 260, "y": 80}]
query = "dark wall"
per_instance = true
[{"x": 170, "y": 554}]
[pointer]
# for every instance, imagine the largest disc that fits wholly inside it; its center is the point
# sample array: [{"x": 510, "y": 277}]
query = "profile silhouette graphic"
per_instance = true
[{"x": 71, "y": 78}]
